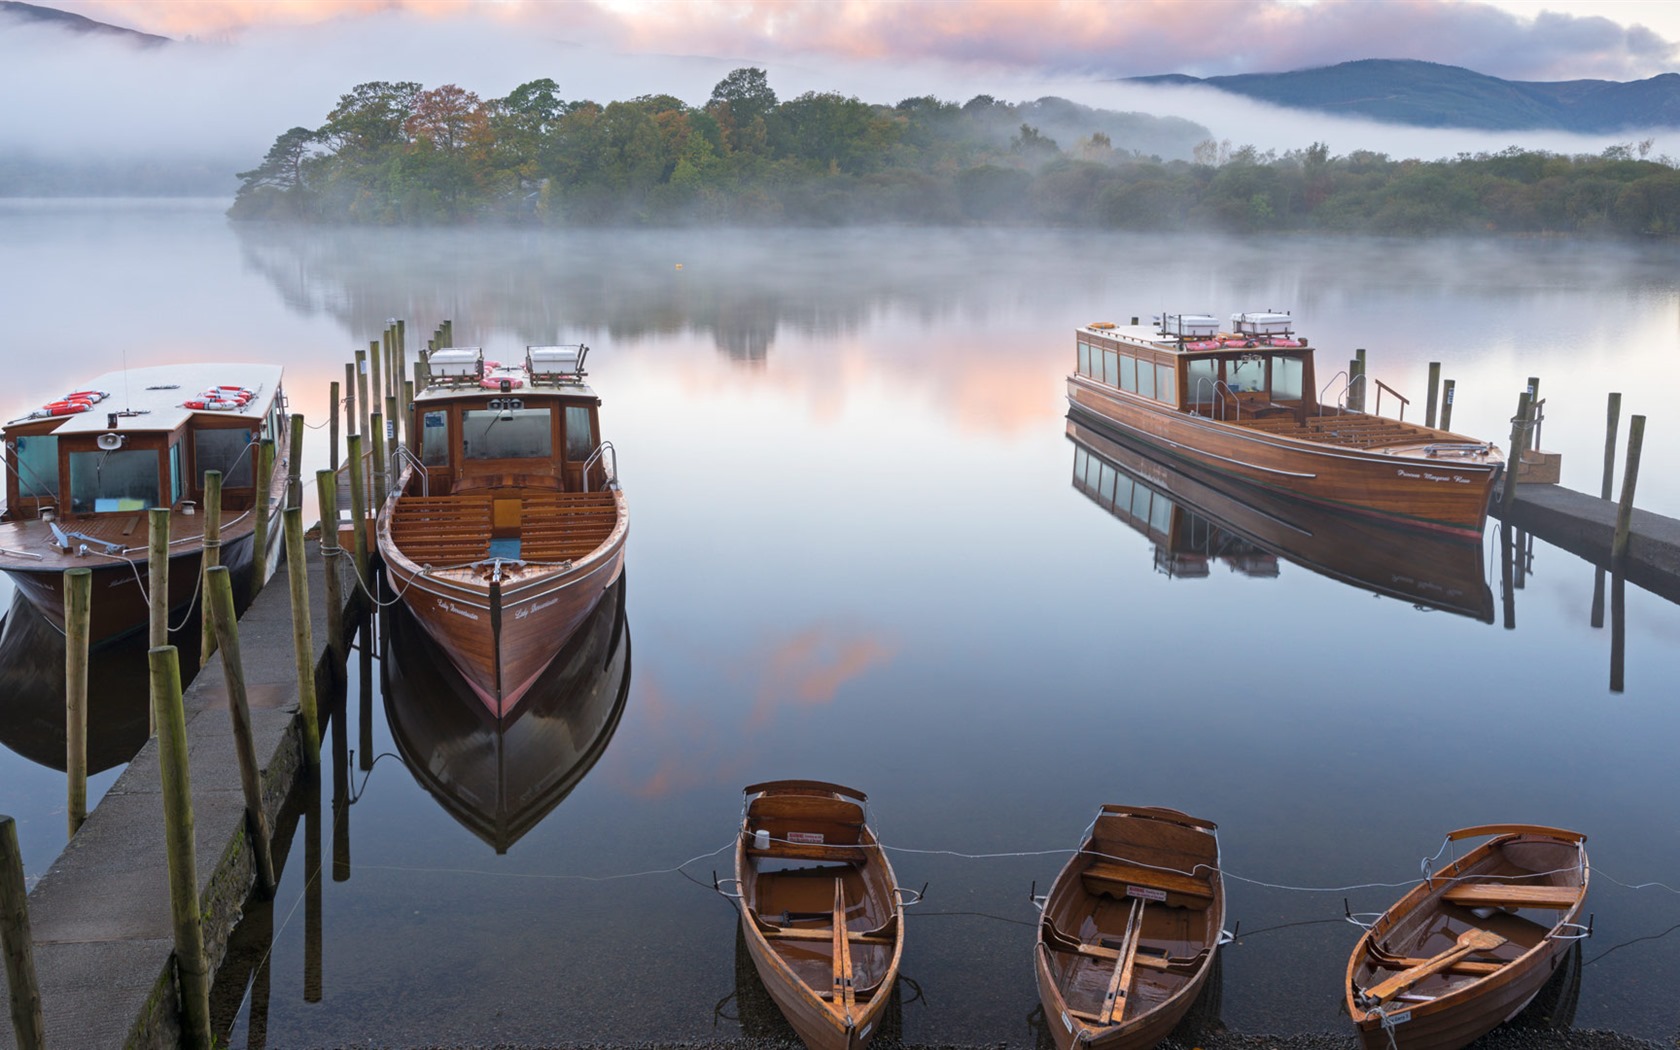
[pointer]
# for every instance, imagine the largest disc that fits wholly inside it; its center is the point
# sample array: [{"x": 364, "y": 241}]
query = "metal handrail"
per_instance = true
[
  {"x": 1217, "y": 384},
  {"x": 403, "y": 454},
  {"x": 1341, "y": 395},
  {"x": 600, "y": 456}
]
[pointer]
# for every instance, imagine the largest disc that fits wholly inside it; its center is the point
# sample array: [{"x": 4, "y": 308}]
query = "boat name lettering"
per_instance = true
[
  {"x": 1457, "y": 479},
  {"x": 1065, "y": 1022},
  {"x": 449, "y": 606},
  {"x": 1148, "y": 893},
  {"x": 1400, "y": 1018},
  {"x": 539, "y": 607},
  {"x": 811, "y": 838}
]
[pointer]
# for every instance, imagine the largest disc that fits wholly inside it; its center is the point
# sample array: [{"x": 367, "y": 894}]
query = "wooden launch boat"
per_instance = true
[
  {"x": 1129, "y": 930},
  {"x": 1196, "y": 517},
  {"x": 507, "y": 523},
  {"x": 821, "y": 914},
  {"x": 83, "y": 472},
  {"x": 1470, "y": 946},
  {"x": 1246, "y": 404}
]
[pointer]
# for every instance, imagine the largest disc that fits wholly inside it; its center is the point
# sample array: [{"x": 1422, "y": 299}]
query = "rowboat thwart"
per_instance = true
[
  {"x": 821, "y": 914},
  {"x": 1470, "y": 946},
  {"x": 1129, "y": 930},
  {"x": 1247, "y": 406},
  {"x": 83, "y": 473},
  {"x": 507, "y": 523}
]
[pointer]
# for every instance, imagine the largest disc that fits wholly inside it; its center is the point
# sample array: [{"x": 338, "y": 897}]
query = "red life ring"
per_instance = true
[
  {"x": 92, "y": 397},
  {"x": 495, "y": 382},
  {"x": 65, "y": 408}
]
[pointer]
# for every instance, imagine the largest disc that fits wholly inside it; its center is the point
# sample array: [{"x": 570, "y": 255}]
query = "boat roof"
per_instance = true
[
  {"x": 1150, "y": 335},
  {"x": 155, "y": 397},
  {"x": 462, "y": 372}
]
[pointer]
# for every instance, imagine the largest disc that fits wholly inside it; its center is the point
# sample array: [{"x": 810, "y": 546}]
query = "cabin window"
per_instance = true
[
  {"x": 1145, "y": 379},
  {"x": 174, "y": 472},
  {"x": 1165, "y": 389},
  {"x": 1202, "y": 373},
  {"x": 1288, "y": 374},
  {"x": 105, "y": 481},
  {"x": 37, "y": 466},
  {"x": 1084, "y": 359},
  {"x": 1105, "y": 483},
  {"x": 1079, "y": 458},
  {"x": 1140, "y": 502},
  {"x": 1128, "y": 374},
  {"x": 580, "y": 434},
  {"x": 1160, "y": 514},
  {"x": 508, "y": 433},
  {"x": 1246, "y": 374},
  {"x": 1122, "y": 493},
  {"x": 434, "y": 439},
  {"x": 1093, "y": 468},
  {"x": 1109, "y": 367},
  {"x": 227, "y": 451}
]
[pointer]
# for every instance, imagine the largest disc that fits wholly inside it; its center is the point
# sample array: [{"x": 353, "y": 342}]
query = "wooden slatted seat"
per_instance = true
[
  {"x": 442, "y": 530},
  {"x": 561, "y": 526},
  {"x": 1500, "y": 895},
  {"x": 1116, "y": 878}
]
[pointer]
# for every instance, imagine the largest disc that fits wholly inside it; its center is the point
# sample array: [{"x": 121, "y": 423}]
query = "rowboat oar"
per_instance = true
[
  {"x": 1119, "y": 986},
  {"x": 1469, "y": 941}
]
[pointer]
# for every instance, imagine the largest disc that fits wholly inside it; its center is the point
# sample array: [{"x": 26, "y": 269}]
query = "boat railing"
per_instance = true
[
  {"x": 1342, "y": 393},
  {"x": 1216, "y": 385},
  {"x": 607, "y": 458},
  {"x": 1404, "y": 401},
  {"x": 403, "y": 455}
]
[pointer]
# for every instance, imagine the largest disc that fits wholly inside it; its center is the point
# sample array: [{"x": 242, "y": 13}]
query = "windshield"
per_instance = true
[{"x": 510, "y": 433}]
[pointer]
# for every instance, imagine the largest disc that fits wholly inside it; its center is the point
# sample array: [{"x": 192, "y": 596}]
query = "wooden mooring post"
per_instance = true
[
  {"x": 375, "y": 392},
  {"x": 1630, "y": 479},
  {"x": 157, "y": 577},
  {"x": 360, "y": 369},
  {"x": 358, "y": 509},
  {"x": 303, "y": 642},
  {"x": 1446, "y": 403},
  {"x": 239, "y": 710},
  {"x": 260, "y": 524},
  {"x": 78, "y": 595},
  {"x": 326, "y": 492},
  {"x": 332, "y": 427},
  {"x": 16, "y": 942},
  {"x": 1612, "y": 421},
  {"x": 380, "y": 480},
  {"x": 212, "y": 543},
  {"x": 1519, "y": 441},
  {"x": 192, "y": 969},
  {"x": 294, "y": 464},
  {"x": 1433, "y": 402}
]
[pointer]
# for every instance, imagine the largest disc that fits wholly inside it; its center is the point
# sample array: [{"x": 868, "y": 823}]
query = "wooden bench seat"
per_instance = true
[
  {"x": 1499, "y": 895},
  {"x": 1117, "y": 879}
]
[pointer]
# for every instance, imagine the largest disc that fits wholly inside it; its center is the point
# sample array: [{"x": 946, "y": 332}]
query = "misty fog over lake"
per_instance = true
[{"x": 863, "y": 549}]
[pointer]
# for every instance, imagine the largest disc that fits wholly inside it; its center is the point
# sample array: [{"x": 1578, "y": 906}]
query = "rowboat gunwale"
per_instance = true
[
  {"x": 1471, "y": 1009},
  {"x": 1068, "y": 894},
  {"x": 812, "y": 1017}
]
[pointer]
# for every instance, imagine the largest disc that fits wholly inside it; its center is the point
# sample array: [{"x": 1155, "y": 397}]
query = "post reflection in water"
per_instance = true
[
  {"x": 1195, "y": 519},
  {"x": 500, "y": 779}
]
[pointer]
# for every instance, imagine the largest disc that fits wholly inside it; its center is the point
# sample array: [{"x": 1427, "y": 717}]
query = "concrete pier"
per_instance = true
[
  {"x": 100, "y": 917},
  {"x": 1584, "y": 525}
]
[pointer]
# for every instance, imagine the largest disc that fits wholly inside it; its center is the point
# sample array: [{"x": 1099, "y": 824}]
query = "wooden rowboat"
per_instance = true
[
  {"x": 508, "y": 523},
  {"x": 83, "y": 473},
  {"x": 1470, "y": 946},
  {"x": 821, "y": 913},
  {"x": 1249, "y": 409},
  {"x": 1130, "y": 928}
]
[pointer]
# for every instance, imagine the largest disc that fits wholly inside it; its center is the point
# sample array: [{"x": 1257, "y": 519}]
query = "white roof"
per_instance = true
[{"x": 154, "y": 398}]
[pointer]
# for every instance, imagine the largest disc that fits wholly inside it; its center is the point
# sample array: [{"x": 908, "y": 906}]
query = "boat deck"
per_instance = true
[
  {"x": 530, "y": 525},
  {"x": 1348, "y": 430}
]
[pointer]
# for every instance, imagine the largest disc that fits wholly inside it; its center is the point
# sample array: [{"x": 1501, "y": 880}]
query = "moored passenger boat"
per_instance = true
[
  {"x": 507, "y": 523},
  {"x": 1469, "y": 947},
  {"x": 1247, "y": 406},
  {"x": 83, "y": 472}
]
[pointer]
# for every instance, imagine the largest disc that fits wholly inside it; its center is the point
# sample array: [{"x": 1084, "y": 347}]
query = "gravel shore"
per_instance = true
[{"x": 1507, "y": 1038}]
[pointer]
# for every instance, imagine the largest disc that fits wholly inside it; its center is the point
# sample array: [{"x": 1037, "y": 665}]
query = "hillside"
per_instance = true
[
  {"x": 18, "y": 13},
  {"x": 1427, "y": 94}
]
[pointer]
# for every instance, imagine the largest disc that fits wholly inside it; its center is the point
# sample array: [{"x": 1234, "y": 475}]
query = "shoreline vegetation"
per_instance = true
[{"x": 396, "y": 153}]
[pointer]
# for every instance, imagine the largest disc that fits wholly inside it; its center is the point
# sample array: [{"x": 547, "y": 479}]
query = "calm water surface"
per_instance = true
[{"x": 864, "y": 548}]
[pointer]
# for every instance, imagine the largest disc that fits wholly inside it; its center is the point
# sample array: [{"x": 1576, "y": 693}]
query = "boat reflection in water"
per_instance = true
[
  {"x": 32, "y": 703},
  {"x": 1195, "y": 521},
  {"x": 500, "y": 780}
]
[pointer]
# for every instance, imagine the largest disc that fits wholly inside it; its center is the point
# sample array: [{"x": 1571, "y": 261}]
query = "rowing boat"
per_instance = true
[
  {"x": 1129, "y": 930},
  {"x": 1466, "y": 949},
  {"x": 821, "y": 913}
]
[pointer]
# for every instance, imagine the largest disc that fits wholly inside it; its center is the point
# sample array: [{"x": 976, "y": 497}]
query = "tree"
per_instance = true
[
  {"x": 371, "y": 116},
  {"x": 739, "y": 101}
]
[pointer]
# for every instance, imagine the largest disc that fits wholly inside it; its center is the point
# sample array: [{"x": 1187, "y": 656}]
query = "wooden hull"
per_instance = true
[
  {"x": 1445, "y": 495},
  {"x": 1436, "y": 570},
  {"x": 1105, "y": 982},
  {"x": 119, "y": 606},
  {"x": 498, "y": 778},
  {"x": 501, "y": 633},
  {"x": 1452, "y": 1007},
  {"x": 788, "y": 923}
]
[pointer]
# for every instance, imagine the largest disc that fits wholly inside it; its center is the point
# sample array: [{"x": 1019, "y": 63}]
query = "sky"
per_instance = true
[{"x": 247, "y": 70}]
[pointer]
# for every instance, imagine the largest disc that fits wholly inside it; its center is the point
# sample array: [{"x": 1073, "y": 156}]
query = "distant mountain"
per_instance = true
[
  {"x": 20, "y": 12},
  {"x": 1427, "y": 94}
]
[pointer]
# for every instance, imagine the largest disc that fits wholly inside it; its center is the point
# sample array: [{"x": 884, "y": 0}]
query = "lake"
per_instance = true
[{"x": 865, "y": 548}]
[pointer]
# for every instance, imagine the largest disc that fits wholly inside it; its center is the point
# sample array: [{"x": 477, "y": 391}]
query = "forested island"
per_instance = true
[{"x": 396, "y": 152}]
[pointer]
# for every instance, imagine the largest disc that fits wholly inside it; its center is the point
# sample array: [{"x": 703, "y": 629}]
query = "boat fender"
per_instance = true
[
  {"x": 761, "y": 839},
  {"x": 65, "y": 408},
  {"x": 91, "y": 396}
]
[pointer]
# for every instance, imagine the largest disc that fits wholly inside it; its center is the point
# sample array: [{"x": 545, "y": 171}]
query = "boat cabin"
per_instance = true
[
  {"x": 1252, "y": 369},
  {"x": 84, "y": 455},
  {"x": 482, "y": 425}
]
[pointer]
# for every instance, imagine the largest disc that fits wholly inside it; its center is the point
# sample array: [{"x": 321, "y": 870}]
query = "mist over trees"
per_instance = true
[{"x": 397, "y": 152}]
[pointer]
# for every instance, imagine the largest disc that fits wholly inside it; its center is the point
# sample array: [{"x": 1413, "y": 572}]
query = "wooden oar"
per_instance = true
[
  {"x": 1468, "y": 941},
  {"x": 1119, "y": 986},
  {"x": 845, "y": 996}
]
